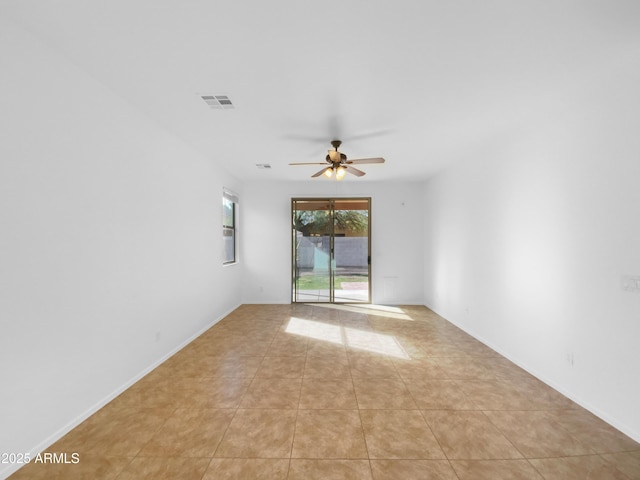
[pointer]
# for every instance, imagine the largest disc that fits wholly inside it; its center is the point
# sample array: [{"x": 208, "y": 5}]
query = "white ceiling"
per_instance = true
[{"x": 420, "y": 83}]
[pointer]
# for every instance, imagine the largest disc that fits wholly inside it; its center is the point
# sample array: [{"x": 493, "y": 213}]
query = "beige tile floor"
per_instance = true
[{"x": 341, "y": 392}]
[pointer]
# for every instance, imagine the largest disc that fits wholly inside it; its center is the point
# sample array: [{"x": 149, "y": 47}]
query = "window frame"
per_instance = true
[{"x": 229, "y": 230}]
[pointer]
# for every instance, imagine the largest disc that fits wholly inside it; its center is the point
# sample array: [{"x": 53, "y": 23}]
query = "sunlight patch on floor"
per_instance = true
[
  {"x": 368, "y": 309},
  {"x": 315, "y": 330},
  {"x": 350, "y": 337},
  {"x": 374, "y": 342}
]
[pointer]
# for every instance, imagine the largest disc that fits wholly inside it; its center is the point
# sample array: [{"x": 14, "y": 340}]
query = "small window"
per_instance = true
[{"x": 229, "y": 227}]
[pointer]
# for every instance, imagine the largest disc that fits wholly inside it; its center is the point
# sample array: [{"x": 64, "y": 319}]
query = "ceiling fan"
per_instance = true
[{"x": 337, "y": 163}]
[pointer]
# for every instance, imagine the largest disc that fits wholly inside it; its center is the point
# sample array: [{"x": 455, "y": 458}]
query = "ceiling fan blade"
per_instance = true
[
  {"x": 361, "y": 161},
  {"x": 313, "y": 163},
  {"x": 320, "y": 172},
  {"x": 355, "y": 171}
]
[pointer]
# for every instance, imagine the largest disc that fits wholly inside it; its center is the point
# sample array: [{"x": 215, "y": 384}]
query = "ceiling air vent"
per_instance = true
[
  {"x": 263, "y": 166},
  {"x": 217, "y": 102}
]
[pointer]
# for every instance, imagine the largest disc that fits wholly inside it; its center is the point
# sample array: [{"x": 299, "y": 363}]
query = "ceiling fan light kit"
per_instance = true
[{"x": 339, "y": 165}]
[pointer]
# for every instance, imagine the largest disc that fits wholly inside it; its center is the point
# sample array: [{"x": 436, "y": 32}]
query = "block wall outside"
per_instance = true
[{"x": 349, "y": 252}]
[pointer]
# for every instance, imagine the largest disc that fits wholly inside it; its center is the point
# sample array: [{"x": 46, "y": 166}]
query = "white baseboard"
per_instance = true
[
  {"x": 42, "y": 446},
  {"x": 570, "y": 395}
]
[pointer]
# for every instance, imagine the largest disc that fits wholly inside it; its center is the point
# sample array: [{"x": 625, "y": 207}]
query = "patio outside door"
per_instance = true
[{"x": 331, "y": 245}]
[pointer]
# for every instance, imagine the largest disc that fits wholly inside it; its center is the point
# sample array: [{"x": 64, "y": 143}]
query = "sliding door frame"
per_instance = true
[{"x": 331, "y": 201}]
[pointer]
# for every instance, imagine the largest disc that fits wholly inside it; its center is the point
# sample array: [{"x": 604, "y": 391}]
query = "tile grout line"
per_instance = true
[
  {"x": 364, "y": 436},
  {"x": 295, "y": 423},
  {"x": 427, "y": 423}
]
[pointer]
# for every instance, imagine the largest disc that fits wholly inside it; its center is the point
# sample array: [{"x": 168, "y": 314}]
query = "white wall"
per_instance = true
[
  {"x": 525, "y": 245},
  {"x": 110, "y": 245},
  {"x": 396, "y": 223}
]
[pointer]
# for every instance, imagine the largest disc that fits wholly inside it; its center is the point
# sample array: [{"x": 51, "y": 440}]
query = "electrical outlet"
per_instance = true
[
  {"x": 158, "y": 336},
  {"x": 630, "y": 283}
]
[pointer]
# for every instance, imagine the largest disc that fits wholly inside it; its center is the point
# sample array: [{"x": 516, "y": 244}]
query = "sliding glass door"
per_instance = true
[{"x": 331, "y": 250}]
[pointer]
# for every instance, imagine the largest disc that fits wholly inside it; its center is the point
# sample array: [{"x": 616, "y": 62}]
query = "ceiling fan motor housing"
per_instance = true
[{"x": 343, "y": 158}]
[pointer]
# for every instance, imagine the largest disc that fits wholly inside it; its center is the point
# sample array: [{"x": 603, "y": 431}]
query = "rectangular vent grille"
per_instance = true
[
  {"x": 263, "y": 166},
  {"x": 217, "y": 102}
]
